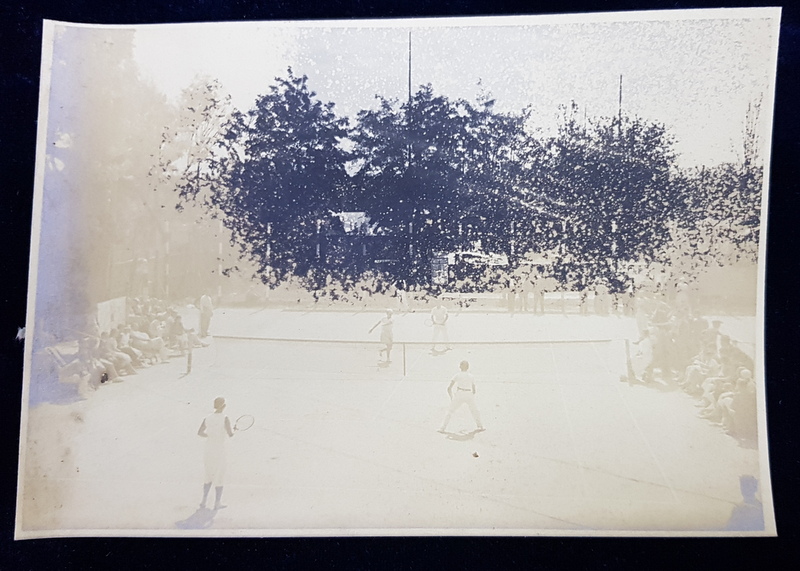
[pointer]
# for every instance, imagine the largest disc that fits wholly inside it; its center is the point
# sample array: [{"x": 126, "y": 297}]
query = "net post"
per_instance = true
[
  {"x": 628, "y": 361},
  {"x": 404, "y": 358}
]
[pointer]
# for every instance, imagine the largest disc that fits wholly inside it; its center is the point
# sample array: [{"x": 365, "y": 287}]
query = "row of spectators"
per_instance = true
[
  {"x": 153, "y": 333},
  {"x": 678, "y": 348}
]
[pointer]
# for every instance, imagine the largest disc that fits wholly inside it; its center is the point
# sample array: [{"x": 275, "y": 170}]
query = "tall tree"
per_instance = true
[
  {"x": 497, "y": 174},
  {"x": 284, "y": 175},
  {"x": 193, "y": 148},
  {"x": 616, "y": 175},
  {"x": 440, "y": 171}
]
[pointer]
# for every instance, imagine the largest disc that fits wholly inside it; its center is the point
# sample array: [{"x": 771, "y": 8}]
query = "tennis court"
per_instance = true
[{"x": 341, "y": 443}]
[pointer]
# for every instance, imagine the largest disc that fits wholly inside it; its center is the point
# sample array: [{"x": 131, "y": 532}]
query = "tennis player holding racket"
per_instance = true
[
  {"x": 216, "y": 429},
  {"x": 387, "y": 335}
]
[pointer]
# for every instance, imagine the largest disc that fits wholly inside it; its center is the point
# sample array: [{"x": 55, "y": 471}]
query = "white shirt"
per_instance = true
[
  {"x": 215, "y": 428},
  {"x": 463, "y": 380},
  {"x": 439, "y": 314}
]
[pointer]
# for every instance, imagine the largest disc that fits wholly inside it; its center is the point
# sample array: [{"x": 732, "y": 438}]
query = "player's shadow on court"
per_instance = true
[
  {"x": 462, "y": 436},
  {"x": 201, "y": 519}
]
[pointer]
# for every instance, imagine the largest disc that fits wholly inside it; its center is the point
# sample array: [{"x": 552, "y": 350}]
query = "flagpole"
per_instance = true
[
  {"x": 620, "y": 105},
  {"x": 409, "y": 66}
]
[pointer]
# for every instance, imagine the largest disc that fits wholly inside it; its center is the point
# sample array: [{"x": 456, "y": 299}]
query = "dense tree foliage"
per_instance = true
[
  {"x": 284, "y": 173},
  {"x": 439, "y": 171},
  {"x": 615, "y": 177},
  {"x": 438, "y": 175}
]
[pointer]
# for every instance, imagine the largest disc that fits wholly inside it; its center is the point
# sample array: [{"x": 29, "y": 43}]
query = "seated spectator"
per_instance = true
[
  {"x": 169, "y": 327},
  {"x": 194, "y": 339},
  {"x": 123, "y": 339},
  {"x": 177, "y": 336},
  {"x": 70, "y": 371},
  {"x": 156, "y": 329},
  {"x": 703, "y": 366},
  {"x": 712, "y": 387},
  {"x": 98, "y": 369},
  {"x": 153, "y": 349},
  {"x": 732, "y": 358},
  {"x": 738, "y": 408},
  {"x": 107, "y": 349},
  {"x": 183, "y": 337},
  {"x": 722, "y": 387}
]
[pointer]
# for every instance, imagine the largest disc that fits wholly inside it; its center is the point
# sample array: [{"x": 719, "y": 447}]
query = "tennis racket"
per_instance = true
[
  {"x": 243, "y": 423},
  {"x": 429, "y": 322}
]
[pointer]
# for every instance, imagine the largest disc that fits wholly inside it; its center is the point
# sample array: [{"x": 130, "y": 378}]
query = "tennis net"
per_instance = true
[{"x": 573, "y": 361}]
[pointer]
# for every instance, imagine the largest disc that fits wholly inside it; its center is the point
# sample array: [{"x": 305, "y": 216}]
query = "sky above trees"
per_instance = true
[{"x": 695, "y": 76}]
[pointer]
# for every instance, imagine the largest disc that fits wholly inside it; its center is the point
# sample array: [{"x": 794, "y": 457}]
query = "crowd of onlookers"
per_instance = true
[
  {"x": 153, "y": 333},
  {"x": 502, "y": 289},
  {"x": 677, "y": 348}
]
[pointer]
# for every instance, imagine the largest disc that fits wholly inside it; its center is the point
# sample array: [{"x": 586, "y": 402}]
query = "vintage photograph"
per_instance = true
[{"x": 462, "y": 276}]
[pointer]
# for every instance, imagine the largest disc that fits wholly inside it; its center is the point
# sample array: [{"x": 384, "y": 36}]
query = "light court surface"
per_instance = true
[{"x": 341, "y": 445}]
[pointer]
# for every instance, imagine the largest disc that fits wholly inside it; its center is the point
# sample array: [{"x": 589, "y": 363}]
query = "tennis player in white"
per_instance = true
[
  {"x": 462, "y": 391},
  {"x": 387, "y": 334},
  {"x": 216, "y": 429},
  {"x": 439, "y": 318}
]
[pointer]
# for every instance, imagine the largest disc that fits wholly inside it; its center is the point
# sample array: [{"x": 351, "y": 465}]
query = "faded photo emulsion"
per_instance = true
[{"x": 493, "y": 276}]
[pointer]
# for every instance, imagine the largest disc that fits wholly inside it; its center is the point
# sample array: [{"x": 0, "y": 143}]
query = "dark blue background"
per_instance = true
[{"x": 20, "y": 44}]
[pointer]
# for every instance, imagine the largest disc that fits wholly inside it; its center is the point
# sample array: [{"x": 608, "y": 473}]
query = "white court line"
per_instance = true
[
  {"x": 639, "y": 429},
  {"x": 570, "y": 426}
]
